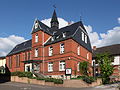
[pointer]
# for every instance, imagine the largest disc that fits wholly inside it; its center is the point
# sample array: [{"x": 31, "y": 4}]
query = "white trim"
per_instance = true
[
  {"x": 47, "y": 40},
  {"x": 50, "y": 69}
]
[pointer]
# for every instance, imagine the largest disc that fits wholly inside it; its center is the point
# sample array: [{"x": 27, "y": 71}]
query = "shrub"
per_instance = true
[
  {"x": 58, "y": 81},
  {"x": 49, "y": 79},
  {"x": 15, "y": 73},
  {"x": 26, "y": 74},
  {"x": 88, "y": 79},
  {"x": 40, "y": 78}
]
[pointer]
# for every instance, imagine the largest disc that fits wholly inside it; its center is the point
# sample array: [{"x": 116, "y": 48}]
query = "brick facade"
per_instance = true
[{"x": 70, "y": 55}]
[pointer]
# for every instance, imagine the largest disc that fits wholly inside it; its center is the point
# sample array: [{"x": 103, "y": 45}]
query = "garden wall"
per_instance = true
[{"x": 67, "y": 83}]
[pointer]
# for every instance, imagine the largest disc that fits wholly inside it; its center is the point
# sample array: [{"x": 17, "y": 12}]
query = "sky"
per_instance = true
[{"x": 100, "y": 17}]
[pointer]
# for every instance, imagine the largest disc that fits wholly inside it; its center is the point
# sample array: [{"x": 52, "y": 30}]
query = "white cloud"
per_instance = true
[
  {"x": 7, "y": 43},
  {"x": 119, "y": 20},
  {"x": 62, "y": 22}
]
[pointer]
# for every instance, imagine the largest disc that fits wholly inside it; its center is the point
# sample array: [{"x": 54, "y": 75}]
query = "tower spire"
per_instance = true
[{"x": 54, "y": 21}]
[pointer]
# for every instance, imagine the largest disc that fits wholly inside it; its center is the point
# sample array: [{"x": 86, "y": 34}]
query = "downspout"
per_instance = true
[{"x": 43, "y": 49}]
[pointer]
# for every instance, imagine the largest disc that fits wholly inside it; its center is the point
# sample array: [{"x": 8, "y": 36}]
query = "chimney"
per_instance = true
[{"x": 94, "y": 48}]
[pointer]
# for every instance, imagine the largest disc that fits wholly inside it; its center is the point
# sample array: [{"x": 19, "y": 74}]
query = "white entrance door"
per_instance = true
[{"x": 28, "y": 67}]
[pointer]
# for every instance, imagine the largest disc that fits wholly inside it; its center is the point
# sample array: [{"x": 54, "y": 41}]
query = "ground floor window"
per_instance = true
[
  {"x": 62, "y": 66},
  {"x": 50, "y": 66},
  {"x": 78, "y": 66}
]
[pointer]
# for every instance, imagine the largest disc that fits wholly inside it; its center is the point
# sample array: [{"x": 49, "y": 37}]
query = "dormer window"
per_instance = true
[
  {"x": 64, "y": 34},
  {"x": 36, "y": 25},
  {"x": 52, "y": 39},
  {"x": 36, "y": 38},
  {"x": 85, "y": 38},
  {"x": 82, "y": 36}
]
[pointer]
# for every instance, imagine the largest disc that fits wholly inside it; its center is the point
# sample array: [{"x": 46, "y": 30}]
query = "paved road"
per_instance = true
[{"x": 21, "y": 86}]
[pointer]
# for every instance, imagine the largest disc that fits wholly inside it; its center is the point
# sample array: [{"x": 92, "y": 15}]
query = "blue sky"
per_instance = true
[
  {"x": 100, "y": 16},
  {"x": 17, "y": 16}
]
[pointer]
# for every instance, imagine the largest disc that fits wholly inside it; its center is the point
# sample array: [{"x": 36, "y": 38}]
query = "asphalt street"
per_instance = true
[{"x": 22, "y": 86}]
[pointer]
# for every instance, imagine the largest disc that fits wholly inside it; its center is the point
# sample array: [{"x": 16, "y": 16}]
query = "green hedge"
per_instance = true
[{"x": 30, "y": 75}]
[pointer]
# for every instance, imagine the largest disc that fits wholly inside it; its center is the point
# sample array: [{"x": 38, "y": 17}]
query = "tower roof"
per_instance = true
[{"x": 54, "y": 17}]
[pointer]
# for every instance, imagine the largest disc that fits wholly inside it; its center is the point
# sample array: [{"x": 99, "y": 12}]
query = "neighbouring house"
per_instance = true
[
  {"x": 2, "y": 64},
  {"x": 52, "y": 50},
  {"x": 114, "y": 51}
]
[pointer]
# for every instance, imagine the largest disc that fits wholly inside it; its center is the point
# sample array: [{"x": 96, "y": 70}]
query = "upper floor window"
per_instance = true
[
  {"x": 85, "y": 38},
  {"x": 50, "y": 51},
  {"x": 36, "y": 52},
  {"x": 87, "y": 55},
  {"x": 62, "y": 66},
  {"x": 36, "y": 38},
  {"x": 64, "y": 34},
  {"x": 82, "y": 36},
  {"x": 62, "y": 48},
  {"x": 78, "y": 50},
  {"x": 50, "y": 66}
]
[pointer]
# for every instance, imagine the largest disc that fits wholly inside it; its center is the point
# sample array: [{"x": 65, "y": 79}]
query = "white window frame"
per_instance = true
[
  {"x": 50, "y": 66},
  {"x": 62, "y": 66},
  {"x": 50, "y": 51},
  {"x": 78, "y": 50},
  {"x": 36, "y": 38},
  {"x": 82, "y": 36},
  {"x": 62, "y": 49},
  {"x": 87, "y": 55},
  {"x": 64, "y": 34},
  {"x": 85, "y": 38},
  {"x": 78, "y": 68},
  {"x": 36, "y": 52},
  {"x": 36, "y": 25}
]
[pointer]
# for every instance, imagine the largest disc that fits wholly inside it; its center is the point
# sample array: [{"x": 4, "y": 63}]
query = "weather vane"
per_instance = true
[{"x": 54, "y": 6}]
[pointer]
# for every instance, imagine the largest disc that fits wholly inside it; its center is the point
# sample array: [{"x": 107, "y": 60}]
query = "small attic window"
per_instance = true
[
  {"x": 24, "y": 44},
  {"x": 36, "y": 25},
  {"x": 64, "y": 34},
  {"x": 52, "y": 39}
]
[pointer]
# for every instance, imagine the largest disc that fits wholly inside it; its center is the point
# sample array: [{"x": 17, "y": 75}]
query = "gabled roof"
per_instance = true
[
  {"x": 112, "y": 50},
  {"x": 42, "y": 27},
  {"x": 21, "y": 47},
  {"x": 72, "y": 31}
]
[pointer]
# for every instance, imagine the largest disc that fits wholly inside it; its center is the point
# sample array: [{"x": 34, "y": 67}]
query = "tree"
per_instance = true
[
  {"x": 84, "y": 68},
  {"x": 106, "y": 68}
]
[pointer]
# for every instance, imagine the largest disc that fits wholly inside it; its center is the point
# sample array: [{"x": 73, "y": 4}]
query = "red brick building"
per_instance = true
[{"x": 52, "y": 50}]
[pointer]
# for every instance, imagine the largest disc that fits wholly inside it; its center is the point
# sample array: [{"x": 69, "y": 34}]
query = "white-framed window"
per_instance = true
[
  {"x": 87, "y": 55},
  {"x": 64, "y": 34},
  {"x": 82, "y": 36},
  {"x": 50, "y": 51},
  {"x": 36, "y": 25},
  {"x": 36, "y": 52},
  {"x": 62, "y": 66},
  {"x": 50, "y": 66},
  {"x": 78, "y": 66},
  {"x": 62, "y": 48},
  {"x": 36, "y": 38},
  {"x": 85, "y": 38},
  {"x": 78, "y": 50}
]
